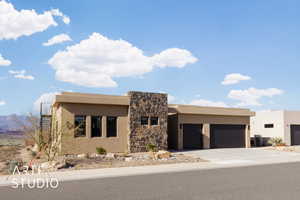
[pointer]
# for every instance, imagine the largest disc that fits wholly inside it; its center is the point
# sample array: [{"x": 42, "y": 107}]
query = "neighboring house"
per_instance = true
[
  {"x": 131, "y": 122},
  {"x": 283, "y": 124}
]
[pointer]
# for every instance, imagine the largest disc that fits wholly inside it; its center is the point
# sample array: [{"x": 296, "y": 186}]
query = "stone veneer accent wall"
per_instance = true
[{"x": 147, "y": 104}]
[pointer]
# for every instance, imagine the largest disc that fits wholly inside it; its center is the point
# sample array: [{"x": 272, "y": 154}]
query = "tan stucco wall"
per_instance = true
[
  {"x": 213, "y": 119},
  {"x": 206, "y": 120},
  {"x": 72, "y": 145}
]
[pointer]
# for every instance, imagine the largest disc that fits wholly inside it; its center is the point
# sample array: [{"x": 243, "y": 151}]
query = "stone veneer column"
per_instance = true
[
  {"x": 206, "y": 136},
  {"x": 247, "y": 136},
  {"x": 148, "y": 105}
]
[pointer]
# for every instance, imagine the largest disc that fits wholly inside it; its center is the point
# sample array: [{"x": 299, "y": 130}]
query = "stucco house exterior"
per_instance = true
[
  {"x": 208, "y": 127},
  {"x": 131, "y": 122},
  {"x": 280, "y": 123}
]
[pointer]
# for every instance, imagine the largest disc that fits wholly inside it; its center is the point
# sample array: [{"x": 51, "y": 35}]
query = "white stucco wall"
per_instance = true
[
  {"x": 257, "y": 124},
  {"x": 290, "y": 118}
]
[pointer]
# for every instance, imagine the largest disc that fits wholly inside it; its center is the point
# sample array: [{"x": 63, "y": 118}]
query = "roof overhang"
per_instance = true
[
  {"x": 81, "y": 98},
  {"x": 201, "y": 110}
]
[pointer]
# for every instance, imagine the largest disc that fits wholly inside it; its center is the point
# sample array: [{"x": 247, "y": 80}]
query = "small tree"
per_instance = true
[{"x": 31, "y": 128}]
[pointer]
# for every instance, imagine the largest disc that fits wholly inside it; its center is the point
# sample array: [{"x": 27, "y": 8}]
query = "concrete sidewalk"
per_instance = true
[
  {"x": 244, "y": 156},
  {"x": 236, "y": 161}
]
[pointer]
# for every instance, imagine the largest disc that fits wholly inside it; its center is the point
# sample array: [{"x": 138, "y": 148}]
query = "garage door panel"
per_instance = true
[
  {"x": 227, "y": 136},
  {"x": 295, "y": 134},
  {"x": 192, "y": 136}
]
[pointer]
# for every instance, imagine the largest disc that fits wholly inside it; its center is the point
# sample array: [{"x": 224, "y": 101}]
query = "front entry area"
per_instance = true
[
  {"x": 227, "y": 136},
  {"x": 295, "y": 134},
  {"x": 192, "y": 136}
]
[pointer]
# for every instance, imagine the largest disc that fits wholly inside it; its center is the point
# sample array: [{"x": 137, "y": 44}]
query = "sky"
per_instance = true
[{"x": 209, "y": 53}]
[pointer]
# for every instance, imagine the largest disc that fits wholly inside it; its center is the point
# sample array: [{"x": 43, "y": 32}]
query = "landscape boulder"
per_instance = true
[
  {"x": 83, "y": 155},
  {"x": 162, "y": 155},
  {"x": 128, "y": 159},
  {"x": 111, "y": 155}
]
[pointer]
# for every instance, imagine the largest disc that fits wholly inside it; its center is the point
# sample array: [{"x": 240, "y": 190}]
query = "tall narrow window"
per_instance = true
[
  {"x": 111, "y": 127},
  {"x": 96, "y": 126},
  {"x": 80, "y": 126}
]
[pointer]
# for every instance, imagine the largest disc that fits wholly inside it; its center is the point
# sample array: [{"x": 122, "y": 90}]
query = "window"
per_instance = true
[
  {"x": 269, "y": 125},
  {"x": 144, "y": 120},
  {"x": 96, "y": 126},
  {"x": 154, "y": 121},
  {"x": 80, "y": 126},
  {"x": 111, "y": 127}
]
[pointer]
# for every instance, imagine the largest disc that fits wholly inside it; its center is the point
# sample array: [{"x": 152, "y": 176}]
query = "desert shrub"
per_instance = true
[
  {"x": 33, "y": 154},
  {"x": 100, "y": 150},
  {"x": 276, "y": 141},
  {"x": 151, "y": 147}
]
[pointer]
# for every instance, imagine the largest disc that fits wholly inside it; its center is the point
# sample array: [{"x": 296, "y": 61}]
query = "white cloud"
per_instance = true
[
  {"x": 65, "y": 18},
  {"x": 47, "y": 99},
  {"x": 173, "y": 57},
  {"x": 4, "y": 62},
  {"x": 251, "y": 96},
  {"x": 57, "y": 39},
  {"x": 203, "y": 102},
  {"x": 2, "y": 103},
  {"x": 15, "y": 23},
  {"x": 234, "y": 78},
  {"x": 21, "y": 74},
  {"x": 95, "y": 61}
]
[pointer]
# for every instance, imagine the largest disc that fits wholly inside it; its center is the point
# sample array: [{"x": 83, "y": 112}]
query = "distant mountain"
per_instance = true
[{"x": 11, "y": 123}]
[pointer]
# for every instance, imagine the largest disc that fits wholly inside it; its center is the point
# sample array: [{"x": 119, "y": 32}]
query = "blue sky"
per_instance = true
[{"x": 255, "y": 39}]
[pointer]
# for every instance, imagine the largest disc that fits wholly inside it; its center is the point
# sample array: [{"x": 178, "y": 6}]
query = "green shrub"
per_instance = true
[
  {"x": 276, "y": 141},
  {"x": 33, "y": 154},
  {"x": 151, "y": 147},
  {"x": 101, "y": 150}
]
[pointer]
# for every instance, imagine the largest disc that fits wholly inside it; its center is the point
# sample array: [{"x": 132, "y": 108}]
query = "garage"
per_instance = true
[
  {"x": 295, "y": 134},
  {"x": 227, "y": 136},
  {"x": 192, "y": 136},
  {"x": 198, "y": 127}
]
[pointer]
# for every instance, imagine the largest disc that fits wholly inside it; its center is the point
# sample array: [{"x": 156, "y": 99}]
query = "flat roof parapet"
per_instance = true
[
  {"x": 82, "y": 98},
  {"x": 201, "y": 110}
]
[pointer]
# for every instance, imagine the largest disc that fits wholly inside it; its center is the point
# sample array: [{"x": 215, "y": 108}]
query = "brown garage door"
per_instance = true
[
  {"x": 295, "y": 134},
  {"x": 192, "y": 136},
  {"x": 227, "y": 136}
]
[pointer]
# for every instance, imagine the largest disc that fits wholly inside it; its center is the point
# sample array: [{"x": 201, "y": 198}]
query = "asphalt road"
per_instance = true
[{"x": 281, "y": 181}]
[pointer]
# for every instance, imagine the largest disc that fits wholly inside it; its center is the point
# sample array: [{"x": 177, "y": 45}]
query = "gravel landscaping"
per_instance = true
[
  {"x": 285, "y": 148},
  {"x": 7, "y": 154},
  {"x": 119, "y": 160}
]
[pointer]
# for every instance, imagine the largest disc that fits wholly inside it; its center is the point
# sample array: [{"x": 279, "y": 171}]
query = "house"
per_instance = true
[
  {"x": 131, "y": 122},
  {"x": 283, "y": 124}
]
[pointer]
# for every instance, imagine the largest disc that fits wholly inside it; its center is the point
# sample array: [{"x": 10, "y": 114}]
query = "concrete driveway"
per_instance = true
[{"x": 245, "y": 156}]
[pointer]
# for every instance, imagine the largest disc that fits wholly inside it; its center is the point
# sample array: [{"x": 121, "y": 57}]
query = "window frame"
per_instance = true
[
  {"x": 100, "y": 126},
  {"x": 268, "y": 125},
  {"x": 107, "y": 127},
  {"x": 157, "y": 121},
  {"x": 76, "y": 135},
  {"x": 142, "y": 120}
]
